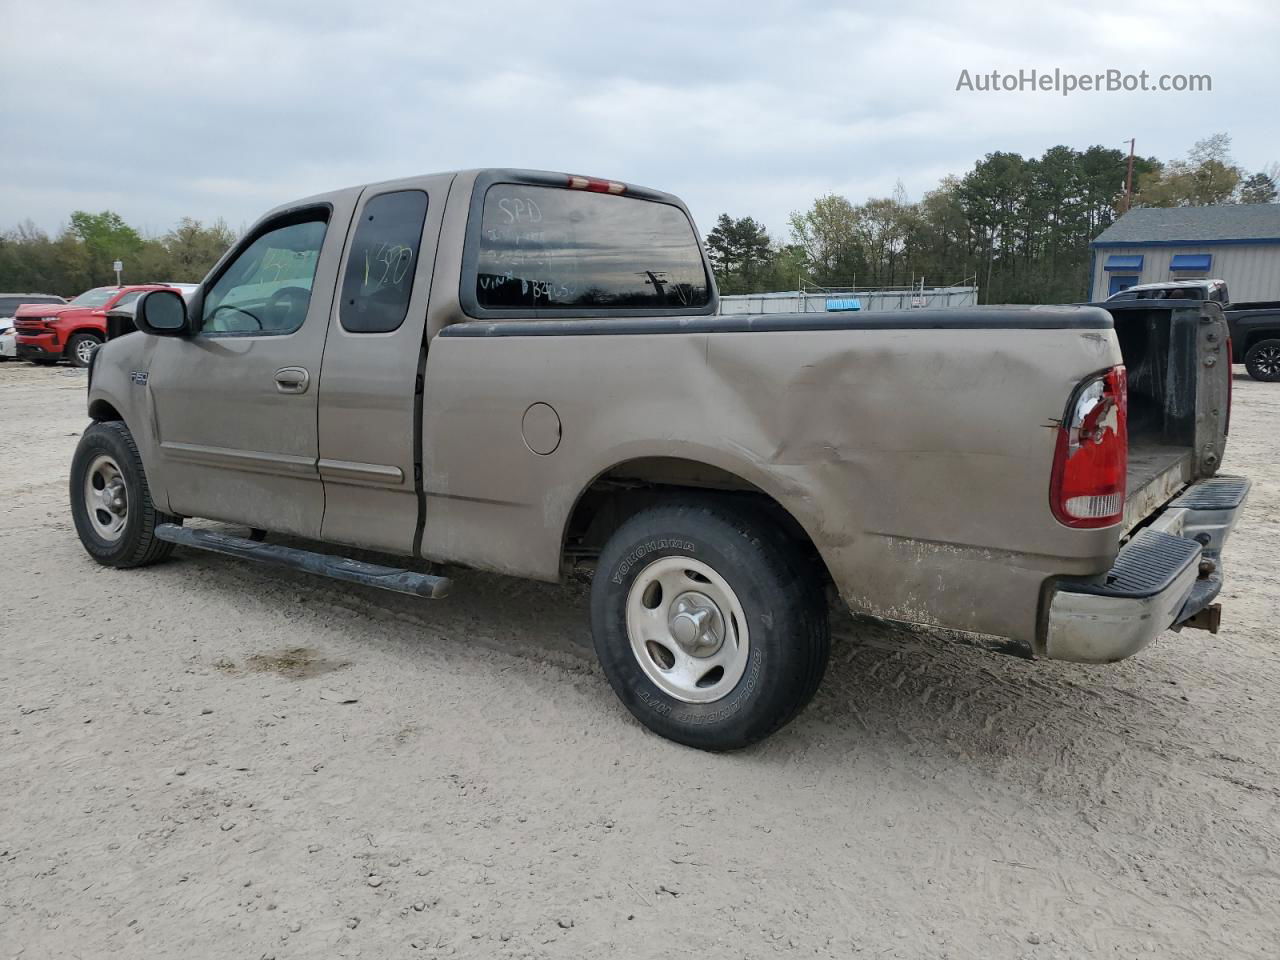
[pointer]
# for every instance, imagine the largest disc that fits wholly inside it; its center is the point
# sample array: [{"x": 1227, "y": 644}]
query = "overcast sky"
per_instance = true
[{"x": 224, "y": 109}]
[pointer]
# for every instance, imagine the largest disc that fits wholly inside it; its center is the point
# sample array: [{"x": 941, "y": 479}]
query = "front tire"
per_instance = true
[
  {"x": 709, "y": 623},
  {"x": 111, "y": 502},
  {"x": 81, "y": 347},
  {"x": 1262, "y": 360}
]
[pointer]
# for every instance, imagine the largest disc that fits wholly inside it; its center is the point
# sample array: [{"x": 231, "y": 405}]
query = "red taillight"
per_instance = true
[
  {"x": 1090, "y": 465},
  {"x": 595, "y": 185}
]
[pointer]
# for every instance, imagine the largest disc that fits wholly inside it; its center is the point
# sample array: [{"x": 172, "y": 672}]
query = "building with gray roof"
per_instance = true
[{"x": 1235, "y": 242}]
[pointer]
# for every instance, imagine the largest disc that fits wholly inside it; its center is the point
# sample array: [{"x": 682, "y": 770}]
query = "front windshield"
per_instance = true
[{"x": 95, "y": 298}]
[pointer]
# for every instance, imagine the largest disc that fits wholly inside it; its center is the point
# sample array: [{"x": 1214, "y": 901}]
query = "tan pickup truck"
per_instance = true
[{"x": 525, "y": 372}]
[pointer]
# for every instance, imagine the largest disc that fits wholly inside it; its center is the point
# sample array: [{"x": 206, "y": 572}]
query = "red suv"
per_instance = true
[{"x": 49, "y": 332}]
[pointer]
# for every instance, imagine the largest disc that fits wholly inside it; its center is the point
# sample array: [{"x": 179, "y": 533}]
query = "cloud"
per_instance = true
[{"x": 226, "y": 109}]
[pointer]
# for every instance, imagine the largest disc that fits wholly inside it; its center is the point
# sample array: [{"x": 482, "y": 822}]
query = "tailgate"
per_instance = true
[{"x": 1179, "y": 397}]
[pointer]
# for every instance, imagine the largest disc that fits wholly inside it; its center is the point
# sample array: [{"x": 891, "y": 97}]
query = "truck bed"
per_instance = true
[{"x": 1157, "y": 471}]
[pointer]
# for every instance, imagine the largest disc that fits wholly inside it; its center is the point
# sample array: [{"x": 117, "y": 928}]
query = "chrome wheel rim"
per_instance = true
[
  {"x": 84, "y": 350},
  {"x": 687, "y": 630},
  {"x": 1267, "y": 360},
  {"x": 106, "y": 499}
]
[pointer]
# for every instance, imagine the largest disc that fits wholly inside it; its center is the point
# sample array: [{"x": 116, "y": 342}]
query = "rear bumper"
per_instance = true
[{"x": 1165, "y": 575}]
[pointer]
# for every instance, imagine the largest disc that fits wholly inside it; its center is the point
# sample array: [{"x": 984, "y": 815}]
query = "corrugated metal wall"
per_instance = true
[{"x": 1252, "y": 271}]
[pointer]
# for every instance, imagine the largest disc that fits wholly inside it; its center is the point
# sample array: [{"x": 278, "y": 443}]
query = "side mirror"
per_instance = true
[{"x": 162, "y": 313}]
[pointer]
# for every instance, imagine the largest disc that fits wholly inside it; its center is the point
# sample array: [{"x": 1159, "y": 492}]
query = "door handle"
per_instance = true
[{"x": 292, "y": 380}]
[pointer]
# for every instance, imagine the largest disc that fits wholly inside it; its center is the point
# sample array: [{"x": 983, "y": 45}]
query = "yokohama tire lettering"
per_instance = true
[
  {"x": 642, "y": 551},
  {"x": 745, "y": 689}
]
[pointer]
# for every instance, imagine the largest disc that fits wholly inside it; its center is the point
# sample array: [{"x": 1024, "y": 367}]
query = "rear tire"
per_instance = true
[
  {"x": 1262, "y": 360},
  {"x": 709, "y": 622},
  {"x": 111, "y": 502},
  {"x": 81, "y": 347}
]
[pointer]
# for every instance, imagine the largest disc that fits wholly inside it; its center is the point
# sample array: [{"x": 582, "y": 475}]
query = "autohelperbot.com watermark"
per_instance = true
[{"x": 1065, "y": 83}]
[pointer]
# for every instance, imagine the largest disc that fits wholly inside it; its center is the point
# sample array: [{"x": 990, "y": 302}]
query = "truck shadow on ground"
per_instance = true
[
  {"x": 888, "y": 686},
  {"x": 943, "y": 698}
]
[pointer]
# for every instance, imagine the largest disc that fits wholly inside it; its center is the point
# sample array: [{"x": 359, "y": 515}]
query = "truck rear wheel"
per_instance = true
[
  {"x": 709, "y": 623},
  {"x": 80, "y": 348},
  {"x": 111, "y": 502},
  {"x": 1262, "y": 360}
]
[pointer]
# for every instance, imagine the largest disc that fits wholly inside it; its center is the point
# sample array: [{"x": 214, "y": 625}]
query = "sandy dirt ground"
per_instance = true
[{"x": 179, "y": 779}]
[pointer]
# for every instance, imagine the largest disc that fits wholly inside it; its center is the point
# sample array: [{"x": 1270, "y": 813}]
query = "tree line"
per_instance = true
[
  {"x": 1017, "y": 226},
  {"x": 80, "y": 256}
]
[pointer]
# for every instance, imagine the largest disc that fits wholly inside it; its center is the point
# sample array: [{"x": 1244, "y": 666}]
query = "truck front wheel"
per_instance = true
[
  {"x": 111, "y": 502},
  {"x": 709, "y": 622},
  {"x": 1262, "y": 360}
]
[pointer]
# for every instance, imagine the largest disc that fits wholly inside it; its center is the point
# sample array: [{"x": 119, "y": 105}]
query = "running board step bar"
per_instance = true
[{"x": 337, "y": 568}]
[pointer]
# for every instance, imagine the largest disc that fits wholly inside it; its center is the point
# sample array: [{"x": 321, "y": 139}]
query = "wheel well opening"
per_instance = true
[
  {"x": 103, "y": 412},
  {"x": 630, "y": 487}
]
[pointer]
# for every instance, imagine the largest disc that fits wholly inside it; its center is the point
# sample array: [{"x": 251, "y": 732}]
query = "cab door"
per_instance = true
[
  {"x": 235, "y": 404},
  {"x": 370, "y": 386}
]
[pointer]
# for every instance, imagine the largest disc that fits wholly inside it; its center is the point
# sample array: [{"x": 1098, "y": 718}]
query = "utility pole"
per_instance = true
[
  {"x": 1128, "y": 180},
  {"x": 991, "y": 256}
]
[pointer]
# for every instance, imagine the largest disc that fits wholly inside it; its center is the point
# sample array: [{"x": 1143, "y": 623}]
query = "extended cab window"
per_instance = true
[
  {"x": 544, "y": 247},
  {"x": 382, "y": 262},
  {"x": 267, "y": 287}
]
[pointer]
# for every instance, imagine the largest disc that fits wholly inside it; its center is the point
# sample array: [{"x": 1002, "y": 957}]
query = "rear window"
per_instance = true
[{"x": 550, "y": 248}]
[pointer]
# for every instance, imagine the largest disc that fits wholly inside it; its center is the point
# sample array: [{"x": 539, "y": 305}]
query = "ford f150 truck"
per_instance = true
[
  {"x": 524, "y": 372},
  {"x": 1254, "y": 326},
  {"x": 48, "y": 333}
]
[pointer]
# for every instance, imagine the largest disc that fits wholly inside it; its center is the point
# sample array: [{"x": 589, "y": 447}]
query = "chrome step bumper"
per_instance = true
[{"x": 1167, "y": 575}]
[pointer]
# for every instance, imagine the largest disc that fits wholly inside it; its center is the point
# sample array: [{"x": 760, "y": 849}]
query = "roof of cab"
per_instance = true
[{"x": 494, "y": 175}]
